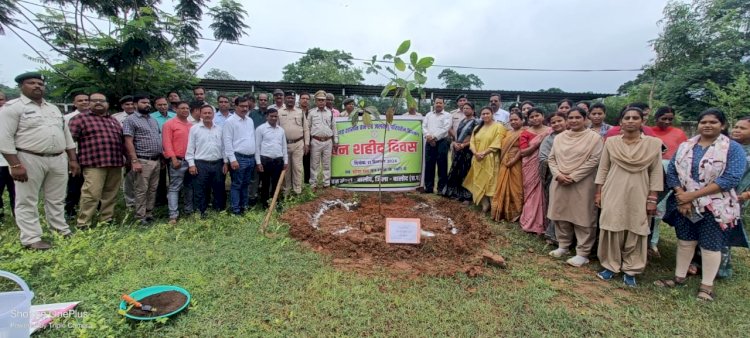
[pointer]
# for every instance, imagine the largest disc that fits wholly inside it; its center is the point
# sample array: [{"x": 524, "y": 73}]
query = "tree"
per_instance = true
[
  {"x": 143, "y": 48},
  {"x": 733, "y": 99},
  {"x": 323, "y": 66},
  {"x": 218, "y": 74},
  {"x": 10, "y": 92},
  {"x": 453, "y": 80},
  {"x": 702, "y": 41}
]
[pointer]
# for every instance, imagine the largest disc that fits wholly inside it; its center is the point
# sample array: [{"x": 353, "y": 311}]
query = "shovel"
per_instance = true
[{"x": 137, "y": 304}]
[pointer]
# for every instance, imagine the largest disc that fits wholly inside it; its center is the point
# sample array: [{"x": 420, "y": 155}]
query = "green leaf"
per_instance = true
[
  {"x": 373, "y": 111},
  {"x": 362, "y": 103},
  {"x": 389, "y": 115},
  {"x": 355, "y": 117},
  {"x": 425, "y": 62},
  {"x": 421, "y": 79},
  {"x": 387, "y": 57},
  {"x": 366, "y": 119},
  {"x": 400, "y": 65},
  {"x": 403, "y": 48},
  {"x": 413, "y": 58},
  {"x": 411, "y": 101},
  {"x": 387, "y": 89},
  {"x": 411, "y": 86}
]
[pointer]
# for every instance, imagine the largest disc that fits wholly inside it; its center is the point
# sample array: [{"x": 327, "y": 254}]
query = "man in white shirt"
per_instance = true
[
  {"x": 498, "y": 114},
  {"x": 270, "y": 155},
  {"x": 239, "y": 148},
  {"x": 75, "y": 183},
  {"x": 436, "y": 126},
  {"x": 224, "y": 113},
  {"x": 205, "y": 156}
]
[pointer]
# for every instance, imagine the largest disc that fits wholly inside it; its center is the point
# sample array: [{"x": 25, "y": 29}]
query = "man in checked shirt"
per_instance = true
[{"x": 99, "y": 138}]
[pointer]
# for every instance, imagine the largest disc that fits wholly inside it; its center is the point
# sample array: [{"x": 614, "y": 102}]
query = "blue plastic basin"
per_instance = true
[{"x": 152, "y": 290}]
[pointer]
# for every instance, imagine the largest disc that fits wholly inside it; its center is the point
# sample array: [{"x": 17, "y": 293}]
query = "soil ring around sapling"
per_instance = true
[{"x": 453, "y": 236}]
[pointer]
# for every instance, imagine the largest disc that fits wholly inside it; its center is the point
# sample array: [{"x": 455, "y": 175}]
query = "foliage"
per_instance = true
[
  {"x": 733, "y": 99},
  {"x": 701, "y": 41},
  {"x": 143, "y": 49},
  {"x": 7, "y": 7},
  {"x": 10, "y": 92},
  {"x": 454, "y": 80},
  {"x": 323, "y": 66},
  {"x": 218, "y": 74},
  {"x": 636, "y": 93}
]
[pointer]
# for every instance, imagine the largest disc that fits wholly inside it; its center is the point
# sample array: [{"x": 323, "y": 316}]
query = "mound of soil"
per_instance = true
[
  {"x": 164, "y": 302},
  {"x": 453, "y": 240}
]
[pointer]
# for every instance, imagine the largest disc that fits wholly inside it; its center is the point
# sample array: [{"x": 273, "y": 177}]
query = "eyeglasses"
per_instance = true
[{"x": 98, "y": 101}]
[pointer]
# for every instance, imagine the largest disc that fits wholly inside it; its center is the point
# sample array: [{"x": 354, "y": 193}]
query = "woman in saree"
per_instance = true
[
  {"x": 704, "y": 208},
  {"x": 486, "y": 141},
  {"x": 558, "y": 124},
  {"x": 461, "y": 157},
  {"x": 508, "y": 201},
  {"x": 573, "y": 163},
  {"x": 532, "y": 217}
]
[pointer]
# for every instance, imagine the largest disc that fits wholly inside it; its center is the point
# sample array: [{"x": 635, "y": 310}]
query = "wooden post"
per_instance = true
[{"x": 273, "y": 202}]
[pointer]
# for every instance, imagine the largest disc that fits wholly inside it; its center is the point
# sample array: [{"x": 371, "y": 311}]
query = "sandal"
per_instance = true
[
  {"x": 706, "y": 295},
  {"x": 670, "y": 283}
]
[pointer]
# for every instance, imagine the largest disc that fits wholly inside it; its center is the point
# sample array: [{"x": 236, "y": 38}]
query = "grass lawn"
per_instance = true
[{"x": 244, "y": 284}]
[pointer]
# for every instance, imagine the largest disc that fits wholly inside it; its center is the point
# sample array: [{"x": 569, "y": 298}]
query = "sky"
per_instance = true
[{"x": 549, "y": 34}]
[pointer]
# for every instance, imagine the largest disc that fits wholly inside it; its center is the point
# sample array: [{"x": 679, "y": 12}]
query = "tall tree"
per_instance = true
[
  {"x": 323, "y": 66},
  {"x": 701, "y": 41},
  {"x": 142, "y": 49},
  {"x": 454, "y": 80},
  {"x": 218, "y": 74}
]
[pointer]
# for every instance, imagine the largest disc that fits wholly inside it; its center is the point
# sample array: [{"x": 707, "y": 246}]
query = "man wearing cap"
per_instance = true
[
  {"x": 278, "y": 98},
  {"x": 323, "y": 139},
  {"x": 144, "y": 151},
  {"x": 238, "y": 134},
  {"x": 295, "y": 126},
  {"x": 330, "y": 99},
  {"x": 99, "y": 138},
  {"x": 128, "y": 107},
  {"x": 33, "y": 138},
  {"x": 304, "y": 104},
  {"x": 174, "y": 139},
  {"x": 207, "y": 162},
  {"x": 73, "y": 194},
  {"x": 348, "y": 108},
  {"x": 457, "y": 114}
]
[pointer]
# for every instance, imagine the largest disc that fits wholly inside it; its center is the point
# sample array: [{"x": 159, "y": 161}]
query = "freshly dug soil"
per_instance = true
[
  {"x": 356, "y": 239},
  {"x": 164, "y": 302}
]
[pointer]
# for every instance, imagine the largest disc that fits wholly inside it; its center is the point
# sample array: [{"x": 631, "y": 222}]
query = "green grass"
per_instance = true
[{"x": 244, "y": 284}]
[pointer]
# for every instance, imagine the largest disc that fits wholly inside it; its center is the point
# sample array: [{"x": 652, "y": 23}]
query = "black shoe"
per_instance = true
[{"x": 41, "y": 245}]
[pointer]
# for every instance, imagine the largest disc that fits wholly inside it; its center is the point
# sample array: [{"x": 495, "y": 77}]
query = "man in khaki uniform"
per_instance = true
[
  {"x": 33, "y": 139},
  {"x": 294, "y": 123},
  {"x": 323, "y": 139},
  {"x": 457, "y": 115}
]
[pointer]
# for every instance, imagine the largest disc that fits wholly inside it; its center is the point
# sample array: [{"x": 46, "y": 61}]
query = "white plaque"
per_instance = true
[{"x": 403, "y": 230}]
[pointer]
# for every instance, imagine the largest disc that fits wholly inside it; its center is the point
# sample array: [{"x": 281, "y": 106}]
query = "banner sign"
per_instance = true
[{"x": 356, "y": 162}]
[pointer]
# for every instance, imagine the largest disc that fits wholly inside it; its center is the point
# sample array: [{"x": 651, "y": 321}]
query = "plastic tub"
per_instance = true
[
  {"x": 15, "y": 306},
  {"x": 152, "y": 290}
]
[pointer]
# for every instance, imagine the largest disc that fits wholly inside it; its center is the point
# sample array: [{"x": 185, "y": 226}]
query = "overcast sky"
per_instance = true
[{"x": 553, "y": 34}]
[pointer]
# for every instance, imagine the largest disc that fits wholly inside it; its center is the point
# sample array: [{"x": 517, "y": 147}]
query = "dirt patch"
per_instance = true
[
  {"x": 164, "y": 302},
  {"x": 354, "y": 235}
]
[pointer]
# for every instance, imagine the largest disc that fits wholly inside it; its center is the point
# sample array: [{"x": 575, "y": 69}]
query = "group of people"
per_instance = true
[
  {"x": 186, "y": 147},
  {"x": 599, "y": 189},
  {"x": 567, "y": 176}
]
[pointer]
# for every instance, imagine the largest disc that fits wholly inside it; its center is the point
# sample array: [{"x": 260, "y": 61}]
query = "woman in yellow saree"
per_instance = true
[
  {"x": 508, "y": 201},
  {"x": 486, "y": 141}
]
